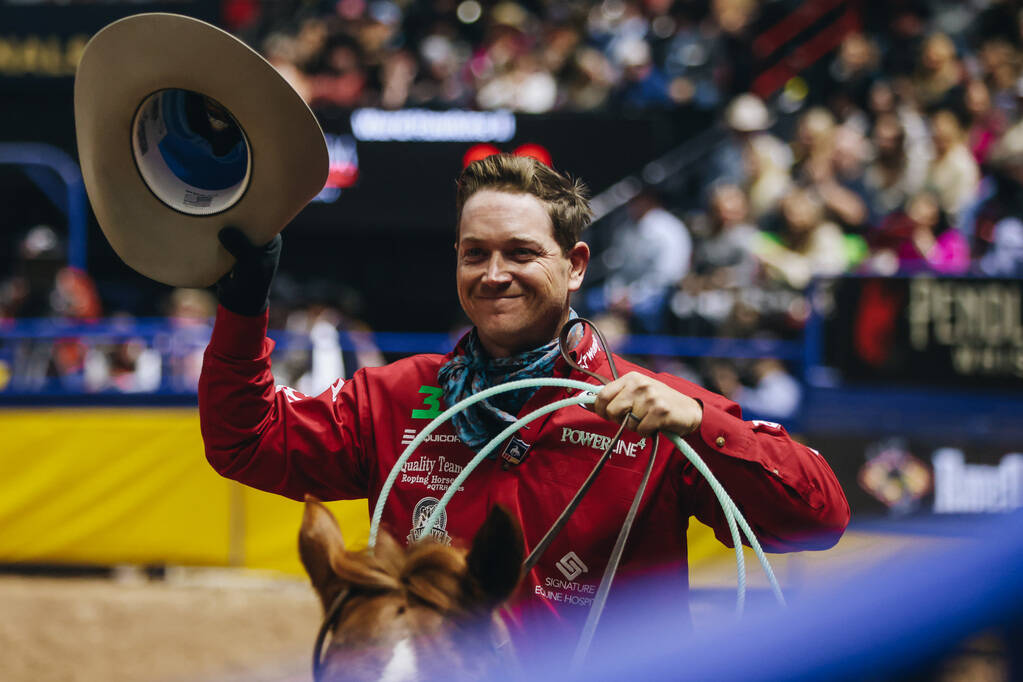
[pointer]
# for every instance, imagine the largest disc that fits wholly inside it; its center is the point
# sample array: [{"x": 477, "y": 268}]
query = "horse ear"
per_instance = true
[
  {"x": 495, "y": 560},
  {"x": 318, "y": 541}
]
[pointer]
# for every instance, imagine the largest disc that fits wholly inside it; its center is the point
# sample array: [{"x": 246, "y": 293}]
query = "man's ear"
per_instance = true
[
  {"x": 578, "y": 259},
  {"x": 319, "y": 541},
  {"x": 495, "y": 560}
]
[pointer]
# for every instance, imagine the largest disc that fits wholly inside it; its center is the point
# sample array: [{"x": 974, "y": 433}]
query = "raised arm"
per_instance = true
[{"x": 266, "y": 436}]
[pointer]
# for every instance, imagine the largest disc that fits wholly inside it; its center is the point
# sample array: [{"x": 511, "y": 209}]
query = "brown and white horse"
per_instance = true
[{"x": 421, "y": 613}]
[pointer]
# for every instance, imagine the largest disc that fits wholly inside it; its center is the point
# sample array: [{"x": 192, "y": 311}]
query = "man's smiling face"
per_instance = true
[{"x": 513, "y": 278}]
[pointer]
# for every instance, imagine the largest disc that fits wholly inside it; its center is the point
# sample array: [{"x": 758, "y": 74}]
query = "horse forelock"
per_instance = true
[
  {"x": 420, "y": 596},
  {"x": 428, "y": 574}
]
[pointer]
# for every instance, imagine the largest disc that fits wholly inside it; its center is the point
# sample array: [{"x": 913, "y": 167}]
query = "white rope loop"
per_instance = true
[{"x": 733, "y": 516}]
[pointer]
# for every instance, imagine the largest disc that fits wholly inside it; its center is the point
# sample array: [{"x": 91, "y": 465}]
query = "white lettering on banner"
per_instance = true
[
  {"x": 962, "y": 487},
  {"x": 600, "y": 442},
  {"x": 980, "y": 322},
  {"x": 424, "y": 125}
]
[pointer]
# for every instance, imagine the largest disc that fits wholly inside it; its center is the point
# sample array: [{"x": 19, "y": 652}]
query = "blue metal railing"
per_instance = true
[
  {"x": 34, "y": 156},
  {"x": 28, "y": 345}
]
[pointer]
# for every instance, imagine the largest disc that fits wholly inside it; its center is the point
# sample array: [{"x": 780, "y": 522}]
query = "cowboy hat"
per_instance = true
[{"x": 183, "y": 129}]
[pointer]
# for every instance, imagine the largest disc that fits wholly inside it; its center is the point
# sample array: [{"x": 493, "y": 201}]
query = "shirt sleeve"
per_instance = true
[
  {"x": 785, "y": 490},
  {"x": 273, "y": 437}
]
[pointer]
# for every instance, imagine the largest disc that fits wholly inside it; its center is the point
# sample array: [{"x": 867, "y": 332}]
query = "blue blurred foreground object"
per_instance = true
[{"x": 889, "y": 623}]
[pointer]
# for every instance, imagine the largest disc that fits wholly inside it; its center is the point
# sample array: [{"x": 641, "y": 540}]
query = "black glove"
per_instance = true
[{"x": 246, "y": 289}]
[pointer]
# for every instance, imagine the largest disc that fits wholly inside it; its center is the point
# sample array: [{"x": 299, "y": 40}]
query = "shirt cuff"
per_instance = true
[
  {"x": 725, "y": 433},
  {"x": 240, "y": 336}
]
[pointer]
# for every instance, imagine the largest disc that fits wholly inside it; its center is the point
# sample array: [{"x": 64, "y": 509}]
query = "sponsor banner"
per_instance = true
[
  {"x": 40, "y": 44},
  {"x": 899, "y": 477},
  {"x": 951, "y": 332}
]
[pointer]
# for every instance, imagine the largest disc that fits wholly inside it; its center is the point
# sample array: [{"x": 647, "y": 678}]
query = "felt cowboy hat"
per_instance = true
[{"x": 183, "y": 129}]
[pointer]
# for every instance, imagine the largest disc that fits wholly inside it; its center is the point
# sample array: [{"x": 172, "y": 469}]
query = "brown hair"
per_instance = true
[{"x": 566, "y": 198}]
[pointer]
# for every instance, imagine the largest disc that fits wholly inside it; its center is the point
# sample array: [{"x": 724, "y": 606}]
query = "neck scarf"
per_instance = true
[{"x": 473, "y": 371}]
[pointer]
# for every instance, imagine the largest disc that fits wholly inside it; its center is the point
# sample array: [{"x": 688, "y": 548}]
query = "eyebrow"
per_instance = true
[{"x": 514, "y": 241}]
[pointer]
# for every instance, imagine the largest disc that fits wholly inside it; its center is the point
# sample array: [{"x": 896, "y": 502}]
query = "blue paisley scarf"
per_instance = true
[{"x": 473, "y": 371}]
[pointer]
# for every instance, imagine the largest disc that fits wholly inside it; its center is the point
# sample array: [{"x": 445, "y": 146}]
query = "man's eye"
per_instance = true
[
  {"x": 523, "y": 254},
  {"x": 472, "y": 254}
]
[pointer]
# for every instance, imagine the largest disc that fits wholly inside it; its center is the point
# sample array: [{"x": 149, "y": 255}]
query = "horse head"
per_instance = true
[{"x": 427, "y": 611}]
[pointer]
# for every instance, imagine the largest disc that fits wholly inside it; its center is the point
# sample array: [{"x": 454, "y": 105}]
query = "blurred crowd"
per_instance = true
[
  {"x": 901, "y": 154},
  {"x": 57, "y": 336},
  {"x": 900, "y": 151},
  {"x": 531, "y": 56}
]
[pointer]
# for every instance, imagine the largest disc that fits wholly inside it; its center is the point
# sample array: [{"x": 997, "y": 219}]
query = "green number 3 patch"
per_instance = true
[{"x": 431, "y": 403}]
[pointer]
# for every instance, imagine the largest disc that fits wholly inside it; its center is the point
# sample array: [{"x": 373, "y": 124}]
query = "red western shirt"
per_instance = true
[{"x": 343, "y": 443}]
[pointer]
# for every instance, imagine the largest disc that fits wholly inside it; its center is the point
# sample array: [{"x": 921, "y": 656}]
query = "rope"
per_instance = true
[{"x": 732, "y": 514}]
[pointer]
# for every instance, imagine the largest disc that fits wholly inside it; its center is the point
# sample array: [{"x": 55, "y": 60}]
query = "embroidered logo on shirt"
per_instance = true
[
  {"x": 585, "y": 358},
  {"x": 289, "y": 393},
  {"x": 571, "y": 566},
  {"x": 515, "y": 451},
  {"x": 409, "y": 435},
  {"x": 600, "y": 442},
  {"x": 431, "y": 403},
  {"x": 421, "y": 514},
  {"x": 335, "y": 389}
]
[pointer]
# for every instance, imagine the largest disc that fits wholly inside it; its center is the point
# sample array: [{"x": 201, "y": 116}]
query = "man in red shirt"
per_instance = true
[{"x": 519, "y": 258}]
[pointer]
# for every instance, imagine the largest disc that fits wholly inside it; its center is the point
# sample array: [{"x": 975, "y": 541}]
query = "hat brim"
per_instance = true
[{"x": 133, "y": 58}]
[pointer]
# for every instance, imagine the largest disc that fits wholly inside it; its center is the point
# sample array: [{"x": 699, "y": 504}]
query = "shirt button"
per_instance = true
[{"x": 720, "y": 442}]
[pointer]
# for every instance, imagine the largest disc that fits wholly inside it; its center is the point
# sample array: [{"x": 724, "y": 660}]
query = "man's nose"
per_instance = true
[{"x": 497, "y": 270}]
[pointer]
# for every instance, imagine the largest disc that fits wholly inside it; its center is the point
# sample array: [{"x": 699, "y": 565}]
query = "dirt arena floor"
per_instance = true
[{"x": 224, "y": 626}]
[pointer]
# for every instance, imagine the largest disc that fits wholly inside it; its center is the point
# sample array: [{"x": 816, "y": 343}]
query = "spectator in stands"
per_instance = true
[
  {"x": 643, "y": 85},
  {"x": 806, "y": 244},
  {"x": 440, "y": 82},
  {"x": 995, "y": 225},
  {"x": 647, "y": 257},
  {"x": 340, "y": 77},
  {"x": 852, "y": 72},
  {"x": 190, "y": 313},
  {"x": 894, "y": 175},
  {"x": 986, "y": 124},
  {"x": 525, "y": 86},
  {"x": 723, "y": 256},
  {"x": 691, "y": 62},
  {"x": 510, "y": 34},
  {"x": 590, "y": 78},
  {"x": 774, "y": 393},
  {"x": 999, "y": 67},
  {"x": 920, "y": 239},
  {"x": 835, "y": 174},
  {"x": 953, "y": 173},
  {"x": 939, "y": 78},
  {"x": 28, "y": 293},
  {"x": 751, "y": 154},
  {"x": 43, "y": 286},
  {"x": 130, "y": 365},
  {"x": 813, "y": 142}
]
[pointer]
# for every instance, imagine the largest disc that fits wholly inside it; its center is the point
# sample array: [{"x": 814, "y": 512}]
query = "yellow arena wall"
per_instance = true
[
  {"x": 109, "y": 486},
  {"x": 115, "y": 485}
]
